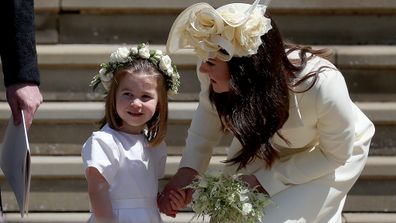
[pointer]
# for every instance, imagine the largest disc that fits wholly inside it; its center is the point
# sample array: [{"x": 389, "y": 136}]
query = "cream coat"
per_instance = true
[{"x": 329, "y": 141}]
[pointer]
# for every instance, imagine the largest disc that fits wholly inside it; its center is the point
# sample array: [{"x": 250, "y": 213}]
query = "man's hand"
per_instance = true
[{"x": 26, "y": 97}]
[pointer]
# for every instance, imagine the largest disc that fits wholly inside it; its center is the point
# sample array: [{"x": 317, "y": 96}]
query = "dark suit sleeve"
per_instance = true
[{"x": 17, "y": 42}]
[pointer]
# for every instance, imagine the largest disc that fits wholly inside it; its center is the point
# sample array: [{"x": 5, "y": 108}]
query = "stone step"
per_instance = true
[
  {"x": 61, "y": 217},
  {"x": 60, "y": 128},
  {"x": 101, "y": 21},
  {"x": 319, "y": 6},
  {"x": 66, "y": 70},
  {"x": 377, "y": 167},
  {"x": 180, "y": 218},
  {"x": 63, "y": 188},
  {"x": 67, "y": 125}
]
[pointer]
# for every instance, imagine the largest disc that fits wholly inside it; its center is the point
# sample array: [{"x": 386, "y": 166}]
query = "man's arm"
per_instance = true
[{"x": 19, "y": 58}]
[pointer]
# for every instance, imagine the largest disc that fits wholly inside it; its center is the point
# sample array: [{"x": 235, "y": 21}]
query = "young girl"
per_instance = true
[
  {"x": 297, "y": 135},
  {"x": 125, "y": 158}
]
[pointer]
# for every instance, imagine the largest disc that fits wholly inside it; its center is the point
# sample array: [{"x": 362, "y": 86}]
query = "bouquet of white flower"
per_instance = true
[{"x": 227, "y": 199}]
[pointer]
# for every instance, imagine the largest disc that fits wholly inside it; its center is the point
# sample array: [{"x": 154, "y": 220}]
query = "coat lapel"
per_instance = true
[{"x": 295, "y": 119}]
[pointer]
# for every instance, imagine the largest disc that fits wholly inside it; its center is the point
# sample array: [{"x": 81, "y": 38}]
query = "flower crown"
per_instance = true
[{"x": 122, "y": 56}]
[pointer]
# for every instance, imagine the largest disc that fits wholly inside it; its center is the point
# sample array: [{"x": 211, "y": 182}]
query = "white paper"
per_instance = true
[{"x": 15, "y": 162}]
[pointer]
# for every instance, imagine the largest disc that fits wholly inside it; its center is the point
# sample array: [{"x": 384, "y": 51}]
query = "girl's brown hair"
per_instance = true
[
  {"x": 257, "y": 105},
  {"x": 157, "y": 125}
]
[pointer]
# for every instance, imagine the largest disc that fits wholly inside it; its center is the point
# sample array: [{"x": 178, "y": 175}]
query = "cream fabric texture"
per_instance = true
[
  {"x": 329, "y": 138},
  {"x": 132, "y": 170}
]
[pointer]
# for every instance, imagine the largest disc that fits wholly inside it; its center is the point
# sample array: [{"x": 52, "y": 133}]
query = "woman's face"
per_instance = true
[
  {"x": 136, "y": 101},
  {"x": 218, "y": 73}
]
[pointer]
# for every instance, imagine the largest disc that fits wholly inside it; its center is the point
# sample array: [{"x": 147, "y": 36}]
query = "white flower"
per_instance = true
[
  {"x": 205, "y": 23},
  {"x": 246, "y": 208},
  {"x": 198, "y": 31},
  {"x": 121, "y": 55},
  {"x": 105, "y": 76},
  {"x": 243, "y": 197},
  {"x": 170, "y": 71},
  {"x": 203, "y": 183},
  {"x": 165, "y": 63},
  {"x": 102, "y": 71},
  {"x": 159, "y": 52},
  {"x": 208, "y": 30},
  {"x": 106, "y": 80},
  {"x": 134, "y": 50},
  {"x": 248, "y": 36},
  {"x": 144, "y": 52},
  {"x": 214, "y": 195}
]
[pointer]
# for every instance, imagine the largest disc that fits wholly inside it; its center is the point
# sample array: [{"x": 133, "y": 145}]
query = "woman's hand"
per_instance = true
[
  {"x": 178, "y": 199},
  {"x": 181, "y": 179}
]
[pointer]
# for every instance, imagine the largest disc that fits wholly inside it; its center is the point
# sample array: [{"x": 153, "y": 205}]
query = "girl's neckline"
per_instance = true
[{"x": 126, "y": 133}]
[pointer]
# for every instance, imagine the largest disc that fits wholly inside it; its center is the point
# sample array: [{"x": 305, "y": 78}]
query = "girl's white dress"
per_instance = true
[{"x": 132, "y": 171}]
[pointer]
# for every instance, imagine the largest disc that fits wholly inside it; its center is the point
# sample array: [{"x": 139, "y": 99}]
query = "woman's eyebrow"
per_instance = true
[{"x": 212, "y": 60}]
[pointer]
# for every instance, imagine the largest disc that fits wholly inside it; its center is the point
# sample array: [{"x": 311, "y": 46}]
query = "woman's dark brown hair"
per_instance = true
[
  {"x": 257, "y": 105},
  {"x": 157, "y": 125}
]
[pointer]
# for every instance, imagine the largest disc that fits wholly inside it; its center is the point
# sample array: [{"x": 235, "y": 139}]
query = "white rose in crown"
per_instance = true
[
  {"x": 249, "y": 35},
  {"x": 103, "y": 76},
  {"x": 144, "y": 52},
  {"x": 134, "y": 50},
  {"x": 165, "y": 64},
  {"x": 158, "y": 54},
  {"x": 120, "y": 55},
  {"x": 124, "y": 55},
  {"x": 106, "y": 79}
]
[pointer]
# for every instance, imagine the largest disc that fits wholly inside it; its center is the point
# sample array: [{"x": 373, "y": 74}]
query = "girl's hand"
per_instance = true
[
  {"x": 178, "y": 199},
  {"x": 181, "y": 179}
]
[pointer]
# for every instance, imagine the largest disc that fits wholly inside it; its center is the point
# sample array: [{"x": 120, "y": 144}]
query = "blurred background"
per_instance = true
[{"x": 74, "y": 36}]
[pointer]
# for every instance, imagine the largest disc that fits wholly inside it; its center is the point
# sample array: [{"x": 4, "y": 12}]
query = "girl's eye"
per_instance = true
[{"x": 146, "y": 97}]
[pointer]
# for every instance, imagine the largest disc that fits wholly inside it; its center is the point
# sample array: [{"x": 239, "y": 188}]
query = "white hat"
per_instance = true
[{"x": 235, "y": 28}]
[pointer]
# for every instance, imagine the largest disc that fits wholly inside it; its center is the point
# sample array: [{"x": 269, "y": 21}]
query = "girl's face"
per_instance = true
[
  {"x": 218, "y": 73},
  {"x": 136, "y": 101}
]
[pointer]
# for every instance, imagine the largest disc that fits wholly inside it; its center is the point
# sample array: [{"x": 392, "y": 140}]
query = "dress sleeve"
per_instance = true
[
  {"x": 335, "y": 126},
  {"x": 204, "y": 132},
  {"x": 101, "y": 152}
]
